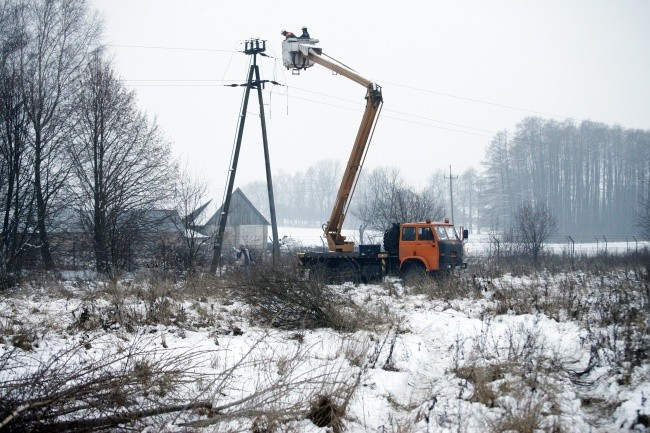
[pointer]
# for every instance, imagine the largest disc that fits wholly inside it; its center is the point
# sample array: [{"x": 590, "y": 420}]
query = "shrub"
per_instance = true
[{"x": 279, "y": 297}]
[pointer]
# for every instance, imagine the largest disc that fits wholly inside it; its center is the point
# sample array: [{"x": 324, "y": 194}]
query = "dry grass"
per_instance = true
[
  {"x": 281, "y": 298},
  {"x": 446, "y": 287},
  {"x": 75, "y": 391}
]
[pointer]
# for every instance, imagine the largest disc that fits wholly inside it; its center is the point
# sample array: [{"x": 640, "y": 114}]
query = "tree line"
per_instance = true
[
  {"x": 591, "y": 178},
  {"x": 382, "y": 196}
]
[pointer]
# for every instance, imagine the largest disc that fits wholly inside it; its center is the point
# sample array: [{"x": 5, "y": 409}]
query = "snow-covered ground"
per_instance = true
[
  {"x": 297, "y": 237},
  {"x": 532, "y": 351}
]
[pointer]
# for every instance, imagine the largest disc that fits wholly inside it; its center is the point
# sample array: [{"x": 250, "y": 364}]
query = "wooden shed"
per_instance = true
[{"x": 245, "y": 225}]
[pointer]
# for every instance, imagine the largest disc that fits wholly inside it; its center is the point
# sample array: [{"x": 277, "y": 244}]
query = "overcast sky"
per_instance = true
[{"x": 452, "y": 73}]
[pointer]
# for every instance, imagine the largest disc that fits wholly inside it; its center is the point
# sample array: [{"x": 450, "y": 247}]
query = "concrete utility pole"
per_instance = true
[
  {"x": 252, "y": 47},
  {"x": 451, "y": 193}
]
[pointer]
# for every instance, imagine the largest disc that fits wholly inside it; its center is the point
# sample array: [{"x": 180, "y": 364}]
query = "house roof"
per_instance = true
[
  {"x": 161, "y": 220},
  {"x": 69, "y": 220},
  {"x": 241, "y": 212}
]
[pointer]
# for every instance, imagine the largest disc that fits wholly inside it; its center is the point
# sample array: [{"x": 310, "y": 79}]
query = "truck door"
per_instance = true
[
  {"x": 420, "y": 242},
  {"x": 428, "y": 247},
  {"x": 407, "y": 243}
]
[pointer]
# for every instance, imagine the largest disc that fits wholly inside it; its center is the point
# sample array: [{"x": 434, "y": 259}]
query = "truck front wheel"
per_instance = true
[{"x": 414, "y": 273}]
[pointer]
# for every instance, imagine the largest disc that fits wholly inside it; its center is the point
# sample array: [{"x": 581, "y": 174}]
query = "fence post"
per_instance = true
[
  {"x": 498, "y": 250},
  {"x": 605, "y": 239},
  {"x": 572, "y": 249},
  {"x": 636, "y": 245},
  {"x": 597, "y": 245}
]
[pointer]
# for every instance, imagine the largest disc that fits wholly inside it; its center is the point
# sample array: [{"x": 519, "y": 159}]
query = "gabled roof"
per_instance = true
[
  {"x": 69, "y": 220},
  {"x": 160, "y": 220},
  {"x": 241, "y": 212}
]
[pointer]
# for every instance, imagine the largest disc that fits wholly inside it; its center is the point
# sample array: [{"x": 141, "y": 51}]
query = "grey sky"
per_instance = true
[{"x": 453, "y": 73}]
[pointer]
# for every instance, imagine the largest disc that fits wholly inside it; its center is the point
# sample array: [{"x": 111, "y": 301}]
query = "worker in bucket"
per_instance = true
[{"x": 287, "y": 34}]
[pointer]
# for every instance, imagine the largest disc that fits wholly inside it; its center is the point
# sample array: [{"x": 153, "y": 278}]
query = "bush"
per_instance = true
[
  {"x": 280, "y": 297},
  {"x": 74, "y": 391}
]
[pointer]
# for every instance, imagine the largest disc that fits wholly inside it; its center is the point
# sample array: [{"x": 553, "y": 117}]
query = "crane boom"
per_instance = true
[{"x": 300, "y": 53}]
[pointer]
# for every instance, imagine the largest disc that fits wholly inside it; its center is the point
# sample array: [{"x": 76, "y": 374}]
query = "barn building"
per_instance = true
[{"x": 245, "y": 225}]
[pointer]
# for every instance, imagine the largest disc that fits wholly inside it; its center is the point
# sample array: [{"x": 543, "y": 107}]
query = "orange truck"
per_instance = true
[{"x": 410, "y": 249}]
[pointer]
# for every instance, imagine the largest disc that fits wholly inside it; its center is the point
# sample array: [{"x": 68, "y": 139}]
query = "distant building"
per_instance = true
[
  {"x": 154, "y": 237},
  {"x": 144, "y": 236},
  {"x": 245, "y": 224}
]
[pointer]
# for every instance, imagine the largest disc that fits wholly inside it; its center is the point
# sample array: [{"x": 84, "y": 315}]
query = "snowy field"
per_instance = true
[
  {"x": 477, "y": 245},
  {"x": 555, "y": 353}
]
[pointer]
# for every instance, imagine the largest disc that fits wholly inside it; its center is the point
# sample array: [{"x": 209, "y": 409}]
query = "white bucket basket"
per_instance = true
[{"x": 296, "y": 50}]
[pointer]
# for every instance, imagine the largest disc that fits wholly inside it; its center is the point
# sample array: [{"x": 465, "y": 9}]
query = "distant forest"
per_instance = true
[{"x": 594, "y": 178}]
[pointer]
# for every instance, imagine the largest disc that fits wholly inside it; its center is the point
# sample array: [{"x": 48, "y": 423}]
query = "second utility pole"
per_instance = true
[{"x": 451, "y": 194}]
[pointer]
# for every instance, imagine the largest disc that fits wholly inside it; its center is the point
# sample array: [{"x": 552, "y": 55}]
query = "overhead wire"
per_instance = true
[
  {"x": 168, "y": 48},
  {"x": 396, "y": 111},
  {"x": 227, "y": 83},
  {"x": 220, "y": 83},
  {"x": 435, "y": 92},
  {"x": 478, "y": 101}
]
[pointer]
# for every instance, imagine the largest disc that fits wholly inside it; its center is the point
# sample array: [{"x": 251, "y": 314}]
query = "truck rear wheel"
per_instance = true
[
  {"x": 371, "y": 273},
  {"x": 346, "y": 271},
  {"x": 318, "y": 272}
]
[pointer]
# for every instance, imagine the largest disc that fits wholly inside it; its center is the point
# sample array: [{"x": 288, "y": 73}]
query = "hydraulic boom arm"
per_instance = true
[{"x": 299, "y": 53}]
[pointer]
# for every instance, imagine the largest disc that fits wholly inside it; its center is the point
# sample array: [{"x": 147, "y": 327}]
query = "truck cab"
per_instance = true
[{"x": 431, "y": 246}]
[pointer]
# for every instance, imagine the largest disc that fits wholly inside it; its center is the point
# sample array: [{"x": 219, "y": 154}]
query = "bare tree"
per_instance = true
[
  {"x": 468, "y": 196},
  {"x": 121, "y": 164},
  {"x": 643, "y": 217},
  {"x": 383, "y": 198},
  {"x": 190, "y": 201},
  {"x": 16, "y": 192},
  {"x": 60, "y": 33},
  {"x": 588, "y": 173},
  {"x": 534, "y": 224}
]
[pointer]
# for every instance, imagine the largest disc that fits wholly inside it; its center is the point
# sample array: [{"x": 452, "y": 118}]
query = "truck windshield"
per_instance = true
[{"x": 446, "y": 232}]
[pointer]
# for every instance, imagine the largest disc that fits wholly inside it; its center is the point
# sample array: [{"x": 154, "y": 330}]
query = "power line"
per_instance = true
[
  {"x": 214, "y": 50},
  {"x": 396, "y": 111},
  {"x": 478, "y": 101},
  {"x": 434, "y": 92},
  {"x": 397, "y": 118},
  {"x": 220, "y": 83},
  {"x": 192, "y": 83}
]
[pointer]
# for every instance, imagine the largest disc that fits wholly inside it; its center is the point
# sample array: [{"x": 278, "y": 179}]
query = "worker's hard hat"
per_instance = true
[{"x": 283, "y": 32}]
